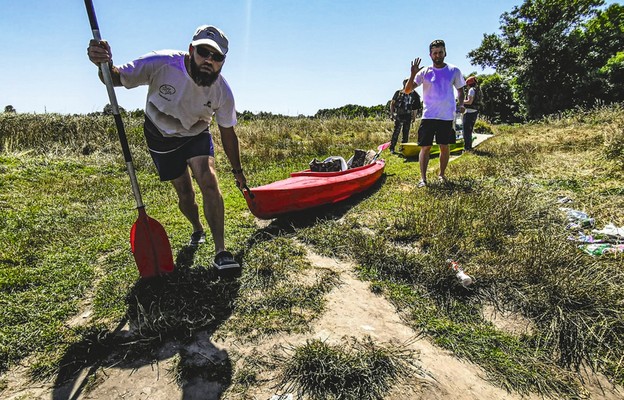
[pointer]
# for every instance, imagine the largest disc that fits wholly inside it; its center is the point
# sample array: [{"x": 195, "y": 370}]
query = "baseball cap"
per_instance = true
[{"x": 211, "y": 36}]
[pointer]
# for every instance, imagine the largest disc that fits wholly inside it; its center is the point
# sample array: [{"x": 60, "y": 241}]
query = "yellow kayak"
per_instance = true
[{"x": 413, "y": 149}]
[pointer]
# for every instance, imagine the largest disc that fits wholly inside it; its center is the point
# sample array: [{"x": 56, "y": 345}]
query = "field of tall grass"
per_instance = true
[{"x": 67, "y": 208}]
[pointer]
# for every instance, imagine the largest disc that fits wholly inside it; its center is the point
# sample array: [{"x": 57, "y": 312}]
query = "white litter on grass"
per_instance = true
[
  {"x": 611, "y": 230},
  {"x": 577, "y": 219},
  {"x": 465, "y": 279}
]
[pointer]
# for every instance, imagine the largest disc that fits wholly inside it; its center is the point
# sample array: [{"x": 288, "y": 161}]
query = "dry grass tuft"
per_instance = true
[{"x": 357, "y": 370}]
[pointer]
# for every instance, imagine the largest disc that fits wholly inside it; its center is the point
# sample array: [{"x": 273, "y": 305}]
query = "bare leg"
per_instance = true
[
  {"x": 186, "y": 200},
  {"x": 423, "y": 161},
  {"x": 444, "y": 158},
  {"x": 205, "y": 174}
]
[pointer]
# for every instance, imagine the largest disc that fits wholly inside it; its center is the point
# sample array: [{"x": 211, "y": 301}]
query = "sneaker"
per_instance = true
[
  {"x": 225, "y": 264},
  {"x": 197, "y": 238},
  {"x": 392, "y": 151},
  {"x": 422, "y": 183},
  {"x": 441, "y": 179}
]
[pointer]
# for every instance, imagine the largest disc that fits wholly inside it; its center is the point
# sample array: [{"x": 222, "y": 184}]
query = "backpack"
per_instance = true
[
  {"x": 478, "y": 97},
  {"x": 477, "y": 103},
  {"x": 403, "y": 104},
  {"x": 361, "y": 158},
  {"x": 330, "y": 164},
  {"x": 406, "y": 103}
]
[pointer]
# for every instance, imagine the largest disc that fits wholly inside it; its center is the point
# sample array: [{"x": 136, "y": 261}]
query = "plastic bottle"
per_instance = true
[{"x": 463, "y": 278}]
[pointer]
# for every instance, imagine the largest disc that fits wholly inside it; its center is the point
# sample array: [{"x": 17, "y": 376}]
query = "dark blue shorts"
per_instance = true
[
  {"x": 442, "y": 131},
  {"x": 173, "y": 164}
]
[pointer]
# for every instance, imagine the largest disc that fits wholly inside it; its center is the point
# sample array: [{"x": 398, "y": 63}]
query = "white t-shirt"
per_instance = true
[
  {"x": 176, "y": 105},
  {"x": 472, "y": 92},
  {"x": 439, "y": 86}
]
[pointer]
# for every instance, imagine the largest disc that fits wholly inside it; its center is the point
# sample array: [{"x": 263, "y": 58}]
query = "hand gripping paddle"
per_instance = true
[{"x": 148, "y": 239}]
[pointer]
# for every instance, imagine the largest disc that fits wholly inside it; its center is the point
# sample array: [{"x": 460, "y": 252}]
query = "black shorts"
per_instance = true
[
  {"x": 442, "y": 131},
  {"x": 173, "y": 164}
]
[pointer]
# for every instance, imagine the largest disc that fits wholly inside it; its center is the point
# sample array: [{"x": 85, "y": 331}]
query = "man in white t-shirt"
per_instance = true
[
  {"x": 185, "y": 90},
  {"x": 440, "y": 82}
]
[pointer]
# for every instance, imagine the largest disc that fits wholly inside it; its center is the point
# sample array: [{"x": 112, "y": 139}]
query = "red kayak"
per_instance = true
[{"x": 307, "y": 189}]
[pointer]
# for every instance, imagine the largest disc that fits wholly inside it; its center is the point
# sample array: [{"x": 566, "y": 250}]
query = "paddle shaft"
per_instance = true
[
  {"x": 149, "y": 241},
  {"x": 110, "y": 88}
]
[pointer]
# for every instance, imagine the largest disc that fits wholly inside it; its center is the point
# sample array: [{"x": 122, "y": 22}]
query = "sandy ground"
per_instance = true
[{"x": 352, "y": 311}]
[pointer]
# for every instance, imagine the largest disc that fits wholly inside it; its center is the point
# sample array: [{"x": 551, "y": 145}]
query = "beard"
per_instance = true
[
  {"x": 203, "y": 78},
  {"x": 438, "y": 62}
]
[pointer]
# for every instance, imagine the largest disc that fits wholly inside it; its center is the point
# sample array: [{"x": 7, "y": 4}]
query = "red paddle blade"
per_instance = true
[
  {"x": 150, "y": 246},
  {"x": 383, "y": 146}
]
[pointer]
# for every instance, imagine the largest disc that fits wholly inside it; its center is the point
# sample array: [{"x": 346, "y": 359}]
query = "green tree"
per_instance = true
[
  {"x": 108, "y": 110},
  {"x": 552, "y": 50},
  {"x": 612, "y": 74},
  {"x": 10, "y": 109},
  {"x": 138, "y": 113},
  {"x": 498, "y": 101},
  {"x": 604, "y": 41}
]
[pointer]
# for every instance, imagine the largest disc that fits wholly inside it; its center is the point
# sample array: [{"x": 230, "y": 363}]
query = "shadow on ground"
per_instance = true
[{"x": 170, "y": 316}]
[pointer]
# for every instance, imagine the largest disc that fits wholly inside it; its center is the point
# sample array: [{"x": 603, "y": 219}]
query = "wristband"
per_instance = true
[{"x": 237, "y": 171}]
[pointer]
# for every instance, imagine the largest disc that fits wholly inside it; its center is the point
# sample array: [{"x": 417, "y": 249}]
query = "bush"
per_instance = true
[{"x": 482, "y": 126}]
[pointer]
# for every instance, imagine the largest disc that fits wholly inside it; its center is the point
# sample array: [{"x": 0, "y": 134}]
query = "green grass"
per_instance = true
[
  {"x": 357, "y": 370},
  {"x": 67, "y": 209},
  {"x": 280, "y": 291}
]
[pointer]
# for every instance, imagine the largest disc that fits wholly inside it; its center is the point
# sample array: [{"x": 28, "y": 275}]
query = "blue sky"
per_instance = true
[{"x": 286, "y": 56}]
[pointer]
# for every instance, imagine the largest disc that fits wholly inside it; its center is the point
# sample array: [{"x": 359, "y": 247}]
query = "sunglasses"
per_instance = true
[{"x": 205, "y": 53}]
